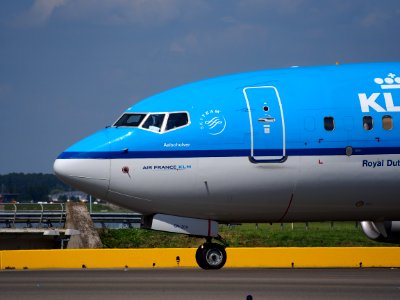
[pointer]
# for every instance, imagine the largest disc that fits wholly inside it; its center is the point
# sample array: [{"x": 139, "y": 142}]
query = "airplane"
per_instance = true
[{"x": 285, "y": 145}]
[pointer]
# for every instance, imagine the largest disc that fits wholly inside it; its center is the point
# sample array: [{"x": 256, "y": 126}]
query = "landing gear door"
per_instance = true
[{"x": 267, "y": 126}]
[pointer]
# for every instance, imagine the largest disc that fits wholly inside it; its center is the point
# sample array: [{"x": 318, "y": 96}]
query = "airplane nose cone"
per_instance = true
[
  {"x": 89, "y": 176},
  {"x": 83, "y": 167}
]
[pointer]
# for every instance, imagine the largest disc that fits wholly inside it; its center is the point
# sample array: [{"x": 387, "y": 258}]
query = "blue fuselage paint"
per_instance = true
[
  {"x": 315, "y": 143},
  {"x": 307, "y": 95}
]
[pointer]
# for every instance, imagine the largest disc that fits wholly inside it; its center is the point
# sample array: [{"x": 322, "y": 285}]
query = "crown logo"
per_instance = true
[{"x": 390, "y": 82}]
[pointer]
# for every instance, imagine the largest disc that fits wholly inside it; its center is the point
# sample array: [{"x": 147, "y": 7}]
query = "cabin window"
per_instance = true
[
  {"x": 387, "y": 122},
  {"x": 329, "y": 123},
  {"x": 176, "y": 120},
  {"x": 130, "y": 120},
  {"x": 368, "y": 123},
  {"x": 154, "y": 122}
]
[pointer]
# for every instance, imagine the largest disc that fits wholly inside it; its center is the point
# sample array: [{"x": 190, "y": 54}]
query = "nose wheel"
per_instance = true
[{"x": 211, "y": 256}]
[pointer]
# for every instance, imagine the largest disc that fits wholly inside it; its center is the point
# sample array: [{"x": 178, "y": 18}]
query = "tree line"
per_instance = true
[{"x": 32, "y": 186}]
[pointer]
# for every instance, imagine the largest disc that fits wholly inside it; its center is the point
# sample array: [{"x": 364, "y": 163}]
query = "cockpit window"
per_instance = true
[
  {"x": 131, "y": 120},
  {"x": 154, "y": 122},
  {"x": 160, "y": 122},
  {"x": 176, "y": 120}
]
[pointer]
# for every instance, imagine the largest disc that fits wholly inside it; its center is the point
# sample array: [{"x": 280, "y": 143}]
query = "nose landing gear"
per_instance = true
[{"x": 211, "y": 256}]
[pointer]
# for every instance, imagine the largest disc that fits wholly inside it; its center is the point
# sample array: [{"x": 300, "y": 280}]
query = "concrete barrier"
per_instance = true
[
  {"x": 314, "y": 257},
  {"x": 330, "y": 257}
]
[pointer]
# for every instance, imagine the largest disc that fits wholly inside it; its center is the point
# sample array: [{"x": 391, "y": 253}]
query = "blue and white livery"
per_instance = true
[{"x": 297, "y": 144}]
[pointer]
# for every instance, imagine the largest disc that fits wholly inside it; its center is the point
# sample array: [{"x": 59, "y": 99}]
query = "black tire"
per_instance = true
[
  {"x": 200, "y": 258},
  {"x": 211, "y": 256}
]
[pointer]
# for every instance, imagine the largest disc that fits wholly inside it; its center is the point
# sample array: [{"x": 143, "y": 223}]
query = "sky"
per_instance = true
[{"x": 69, "y": 68}]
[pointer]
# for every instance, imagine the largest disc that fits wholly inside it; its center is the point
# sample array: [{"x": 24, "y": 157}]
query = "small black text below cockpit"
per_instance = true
[{"x": 155, "y": 122}]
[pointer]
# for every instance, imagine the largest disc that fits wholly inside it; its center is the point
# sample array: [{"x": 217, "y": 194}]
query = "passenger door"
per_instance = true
[{"x": 266, "y": 123}]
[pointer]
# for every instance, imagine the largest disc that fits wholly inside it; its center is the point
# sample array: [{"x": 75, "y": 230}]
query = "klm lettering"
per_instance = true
[{"x": 370, "y": 102}]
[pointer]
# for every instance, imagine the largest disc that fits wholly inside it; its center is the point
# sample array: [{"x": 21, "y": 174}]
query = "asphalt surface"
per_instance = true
[{"x": 198, "y": 284}]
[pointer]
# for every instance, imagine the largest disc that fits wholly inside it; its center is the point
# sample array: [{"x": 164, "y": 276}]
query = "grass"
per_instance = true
[
  {"x": 141, "y": 238},
  {"x": 106, "y": 208},
  {"x": 342, "y": 234}
]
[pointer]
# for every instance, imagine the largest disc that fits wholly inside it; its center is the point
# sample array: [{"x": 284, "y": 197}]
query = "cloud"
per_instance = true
[
  {"x": 265, "y": 7},
  {"x": 107, "y": 12},
  {"x": 122, "y": 11},
  {"x": 187, "y": 43},
  {"x": 39, "y": 13},
  {"x": 374, "y": 19}
]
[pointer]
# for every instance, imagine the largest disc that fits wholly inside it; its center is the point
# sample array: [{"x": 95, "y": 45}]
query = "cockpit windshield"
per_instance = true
[
  {"x": 130, "y": 120},
  {"x": 176, "y": 120},
  {"x": 156, "y": 122}
]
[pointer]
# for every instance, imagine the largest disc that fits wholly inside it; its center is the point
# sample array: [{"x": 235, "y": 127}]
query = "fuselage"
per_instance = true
[{"x": 297, "y": 144}]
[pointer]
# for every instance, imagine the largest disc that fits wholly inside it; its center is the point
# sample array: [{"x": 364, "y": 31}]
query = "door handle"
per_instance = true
[{"x": 266, "y": 120}]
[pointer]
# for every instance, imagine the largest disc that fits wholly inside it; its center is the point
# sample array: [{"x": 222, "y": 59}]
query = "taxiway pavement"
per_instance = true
[{"x": 199, "y": 284}]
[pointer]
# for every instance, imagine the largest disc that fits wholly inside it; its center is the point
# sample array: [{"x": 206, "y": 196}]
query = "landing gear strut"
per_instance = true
[{"x": 211, "y": 256}]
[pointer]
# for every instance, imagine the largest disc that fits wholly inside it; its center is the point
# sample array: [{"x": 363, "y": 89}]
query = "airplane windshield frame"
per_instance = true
[
  {"x": 157, "y": 122},
  {"x": 154, "y": 122},
  {"x": 130, "y": 120}
]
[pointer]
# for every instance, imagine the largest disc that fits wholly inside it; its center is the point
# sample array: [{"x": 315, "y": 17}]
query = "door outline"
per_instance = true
[{"x": 251, "y": 157}]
